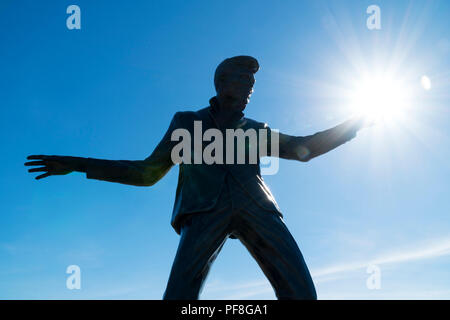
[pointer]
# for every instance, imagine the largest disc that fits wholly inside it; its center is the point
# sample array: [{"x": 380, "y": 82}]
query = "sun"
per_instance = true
[{"x": 379, "y": 98}]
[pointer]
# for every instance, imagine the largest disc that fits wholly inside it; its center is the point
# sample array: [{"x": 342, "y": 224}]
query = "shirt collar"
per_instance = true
[{"x": 216, "y": 110}]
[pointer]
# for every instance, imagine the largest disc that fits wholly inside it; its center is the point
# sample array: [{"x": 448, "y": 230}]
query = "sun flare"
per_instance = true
[{"x": 380, "y": 98}]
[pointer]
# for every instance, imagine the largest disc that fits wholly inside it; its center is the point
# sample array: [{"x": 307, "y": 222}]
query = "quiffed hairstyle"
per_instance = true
[{"x": 229, "y": 65}]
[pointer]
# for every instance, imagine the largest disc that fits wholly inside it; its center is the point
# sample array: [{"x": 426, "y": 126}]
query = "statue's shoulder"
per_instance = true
[
  {"x": 199, "y": 114},
  {"x": 251, "y": 123},
  {"x": 202, "y": 113},
  {"x": 187, "y": 117},
  {"x": 193, "y": 113}
]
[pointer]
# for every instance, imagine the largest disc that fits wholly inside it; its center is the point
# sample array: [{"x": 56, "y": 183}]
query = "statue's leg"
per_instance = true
[
  {"x": 269, "y": 241},
  {"x": 202, "y": 237}
]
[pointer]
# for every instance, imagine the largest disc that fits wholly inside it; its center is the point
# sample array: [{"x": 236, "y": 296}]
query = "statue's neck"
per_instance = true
[{"x": 223, "y": 111}]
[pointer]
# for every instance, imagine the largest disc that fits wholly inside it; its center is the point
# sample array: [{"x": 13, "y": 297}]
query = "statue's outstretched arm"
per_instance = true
[
  {"x": 133, "y": 172},
  {"x": 304, "y": 148}
]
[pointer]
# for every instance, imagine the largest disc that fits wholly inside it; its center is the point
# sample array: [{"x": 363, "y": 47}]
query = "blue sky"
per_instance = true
[{"x": 110, "y": 89}]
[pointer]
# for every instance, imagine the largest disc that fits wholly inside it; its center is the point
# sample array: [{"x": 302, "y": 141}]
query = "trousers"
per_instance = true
[{"x": 262, "y": 232}]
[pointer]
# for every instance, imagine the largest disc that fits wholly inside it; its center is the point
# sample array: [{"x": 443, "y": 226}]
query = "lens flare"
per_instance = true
[{"x": 426, "y": 82}]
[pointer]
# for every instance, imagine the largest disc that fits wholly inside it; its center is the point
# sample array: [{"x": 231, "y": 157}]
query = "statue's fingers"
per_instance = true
[
  {"x": 38, "y": 169},
  {"x": 43, "y": 175},
  {"x": 39, "y": 157},
  {"x": 34, "y": 163}
]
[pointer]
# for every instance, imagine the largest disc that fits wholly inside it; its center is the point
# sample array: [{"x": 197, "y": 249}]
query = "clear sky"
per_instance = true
[{"x": 110, "y": 89}]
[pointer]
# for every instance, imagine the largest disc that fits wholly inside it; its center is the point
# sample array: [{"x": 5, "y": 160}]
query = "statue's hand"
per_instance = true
[
  {"x": 361, "y": 122},
  {"x": 51, "y": 165}
]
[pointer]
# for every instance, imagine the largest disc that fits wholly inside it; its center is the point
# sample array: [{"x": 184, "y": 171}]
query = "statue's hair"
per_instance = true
[{"x": 231, "y": 64}]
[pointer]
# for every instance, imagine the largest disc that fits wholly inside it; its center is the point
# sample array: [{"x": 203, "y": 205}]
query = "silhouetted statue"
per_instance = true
[{"x": 219, "y": 200}]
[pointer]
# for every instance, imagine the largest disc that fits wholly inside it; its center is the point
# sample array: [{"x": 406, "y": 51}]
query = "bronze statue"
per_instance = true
[{"x": 219, "y": 200}]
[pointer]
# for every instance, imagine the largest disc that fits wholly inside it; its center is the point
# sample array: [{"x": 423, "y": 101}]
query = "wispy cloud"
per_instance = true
[
  {"x": 429, "y": 250},
  {"x": 257, "y": 287}
]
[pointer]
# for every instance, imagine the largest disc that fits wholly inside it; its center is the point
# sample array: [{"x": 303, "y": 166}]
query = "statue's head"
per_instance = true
[{"x": 234, "y": 80}]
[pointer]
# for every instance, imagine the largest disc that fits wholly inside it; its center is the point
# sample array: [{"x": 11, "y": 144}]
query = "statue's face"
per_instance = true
[{"x": 237, "y": 85}]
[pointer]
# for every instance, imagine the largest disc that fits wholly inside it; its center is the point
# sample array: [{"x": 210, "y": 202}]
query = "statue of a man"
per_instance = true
[{"x": 220, "y": 200}]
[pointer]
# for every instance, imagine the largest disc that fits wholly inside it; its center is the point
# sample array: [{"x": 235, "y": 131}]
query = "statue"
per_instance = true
[{"x": 219, "y": 200}]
